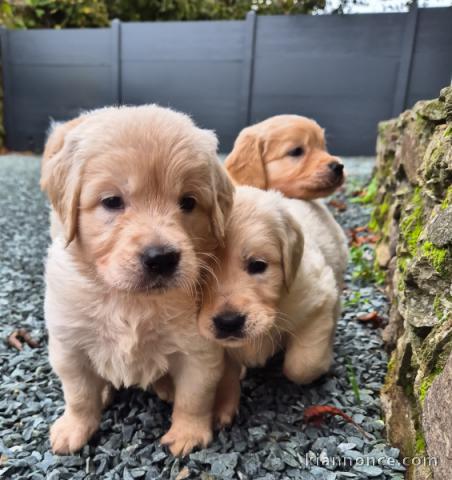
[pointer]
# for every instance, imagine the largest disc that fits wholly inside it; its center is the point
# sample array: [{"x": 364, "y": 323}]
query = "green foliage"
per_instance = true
[
  {"x": 369, "y": 193},
  {"x": 353, "y": 381},
  {"x": 145, "y": 10},
  {"x": 54, "y": 14},
  {"x": 98, "y": 13},
  {"x": 362, "y": 258},
  {"x": 356, "y": 299}
]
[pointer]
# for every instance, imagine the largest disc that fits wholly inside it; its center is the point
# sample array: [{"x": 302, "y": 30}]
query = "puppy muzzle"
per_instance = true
[
  {"x": 160, "y": 265},
  {"x": 229, "y": 324}
]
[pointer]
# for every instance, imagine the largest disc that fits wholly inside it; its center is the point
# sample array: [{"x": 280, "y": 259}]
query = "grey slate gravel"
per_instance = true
[{"x": 268, "y": 440}]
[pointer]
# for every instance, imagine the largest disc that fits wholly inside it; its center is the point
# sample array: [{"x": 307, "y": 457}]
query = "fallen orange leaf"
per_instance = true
[
  {"x": 14, "y": 339},
  {"x": 316, "y": 415},
  {"x": 338, "y": 205},
  {"x": 371, "y": 317}
]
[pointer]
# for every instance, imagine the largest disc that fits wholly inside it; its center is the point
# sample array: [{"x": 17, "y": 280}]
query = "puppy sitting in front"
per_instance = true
[
  {"x": 139, "y": 204},
  {"x": 278, "y": 288}
]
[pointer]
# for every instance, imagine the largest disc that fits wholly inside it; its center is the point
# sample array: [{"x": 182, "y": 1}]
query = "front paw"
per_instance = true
[
  {"x": 226, "y": 408},
  {"x": 71, "y": 432},
  {"x": 164, "y": 389},
  {"x": 305, "y": 374},
  {"x": 187, "y": 433}
]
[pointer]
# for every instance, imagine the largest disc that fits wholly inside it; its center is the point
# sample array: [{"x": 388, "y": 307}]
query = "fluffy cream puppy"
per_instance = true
[
  {"x": 278, "y": 287},
  {"x": 139, "y": 204}
]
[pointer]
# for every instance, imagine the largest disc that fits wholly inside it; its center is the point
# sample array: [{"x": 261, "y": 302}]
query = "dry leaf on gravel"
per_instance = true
[
  {"x": 316, "y": 415},
  {"x": 14, "y": 339},
  {"x": 338, "y": 205},
  {"x": 372, "y": 318}
]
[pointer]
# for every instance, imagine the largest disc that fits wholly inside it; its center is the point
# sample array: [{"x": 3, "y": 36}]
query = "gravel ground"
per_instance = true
[{"x": 269, "y": 439}]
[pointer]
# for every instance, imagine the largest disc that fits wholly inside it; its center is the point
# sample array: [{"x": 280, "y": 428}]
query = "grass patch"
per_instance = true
[
  {"x": 353, "y": 381},
  {"x": 369, "y": 193},
  {"x": 362, "y": 258}
]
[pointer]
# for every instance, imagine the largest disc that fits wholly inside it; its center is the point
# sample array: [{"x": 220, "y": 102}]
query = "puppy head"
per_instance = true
[
  {"x": 285, "y": 153},
  {"x": 140, "y": 194},
  {"x": 260, "y": 260}
]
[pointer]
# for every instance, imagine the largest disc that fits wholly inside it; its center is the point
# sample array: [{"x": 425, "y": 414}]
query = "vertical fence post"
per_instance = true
[
  {"x": 406, "y": 60},
  {"x": 7, "y": 124},
  {"x": 248, "y": 67},
  {"x": 116, "y": 60}
]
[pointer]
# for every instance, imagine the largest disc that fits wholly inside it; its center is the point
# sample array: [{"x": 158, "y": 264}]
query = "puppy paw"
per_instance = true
[
  {"x": 225, "y": 410},
  {"x": 71, "y": 432},
  {"x": 164, "y": 389},
  {"x": 186, "y": 434},
  {"x": 107, "y": 396},
  {"x": 305, "y": 375},
  {"x": 224, "y": 418}
]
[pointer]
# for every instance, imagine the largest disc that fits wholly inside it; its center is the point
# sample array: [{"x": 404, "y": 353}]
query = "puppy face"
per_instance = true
[
  {"x": 285, "y": 153},
  {"x": 261, "y": 258},
  {"x": 140, "y": 193}
]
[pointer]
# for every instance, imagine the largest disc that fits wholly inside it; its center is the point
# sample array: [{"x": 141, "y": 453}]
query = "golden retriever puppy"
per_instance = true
[
  {"x": 139, "y": 205},
  {"x": 279, "y": 284},
  {"x": 285, "y": 153}
]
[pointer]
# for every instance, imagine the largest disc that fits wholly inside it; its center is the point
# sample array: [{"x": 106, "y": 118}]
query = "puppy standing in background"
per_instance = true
[
  {"x": 285, "y": 153},
  {"x": 139, "y": 204},
  {"x": 279, "y": 285}
]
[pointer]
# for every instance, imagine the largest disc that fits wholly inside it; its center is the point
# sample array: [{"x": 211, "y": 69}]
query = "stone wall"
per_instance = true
[
  {"x": 2, "y": 129},
  {"x": 413, "y": 214}
]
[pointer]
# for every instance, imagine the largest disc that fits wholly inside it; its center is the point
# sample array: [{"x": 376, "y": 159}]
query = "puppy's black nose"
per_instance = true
[
  {"x": 160, "y": 260},
  {"x": 336, "y": 167},
  {"x": 229, "y": 324}
]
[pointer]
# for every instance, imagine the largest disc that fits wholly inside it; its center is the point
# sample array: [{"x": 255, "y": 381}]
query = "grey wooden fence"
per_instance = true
[{"x": 348, "y": 72}]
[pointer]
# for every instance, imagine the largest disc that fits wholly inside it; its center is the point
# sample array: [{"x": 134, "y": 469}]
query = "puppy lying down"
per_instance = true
[
  {"x": 278, "y": 288},
  {"x": 286, "y": 153},
  {"x": 139, "y": 204}
]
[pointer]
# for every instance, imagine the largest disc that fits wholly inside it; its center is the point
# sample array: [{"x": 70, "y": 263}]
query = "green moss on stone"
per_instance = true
[
  {"x": 427, "y": 383},
  {"x": 402, "y": 263},
  {"x": 391, "y": 364},
  {"x": 438, "y": 307},
  {"x": 420, "y": 443},
  {"x": 434, "y": 110},
  {"x": 379, "y": 220},
  {"x": 412, "y": 225},
  {"x": 448, "y": 199},
  {"x": 436, "y": 256}
]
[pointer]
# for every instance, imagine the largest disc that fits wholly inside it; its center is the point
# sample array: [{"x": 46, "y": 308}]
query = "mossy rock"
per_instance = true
[
  {"x": 436, "y": 170},
  {"x": 413, "y": 214},
  {"x": 433, "y": 110}
]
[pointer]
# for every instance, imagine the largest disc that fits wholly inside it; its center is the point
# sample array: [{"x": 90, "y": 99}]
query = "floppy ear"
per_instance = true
[
  {"x": 245, "y": 164},
  {"x": 221, "y": 186},
  {"x": 61, "y": 175},
  {"x": 222, "y": 205},
  {"x": 292, "y": 244}
]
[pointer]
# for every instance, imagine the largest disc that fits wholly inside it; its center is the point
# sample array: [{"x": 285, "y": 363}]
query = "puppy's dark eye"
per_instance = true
[
  {"x": 296, "y": 152},
  {"x": 254, "y": 266},
  {"x": 187, "y": 203},
  {"x": 113, "y": 203}
]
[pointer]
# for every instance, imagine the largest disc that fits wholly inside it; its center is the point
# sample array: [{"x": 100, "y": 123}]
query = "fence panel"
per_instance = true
[
  {"x": 340, "y": 70},
  {"x": 432, "y": 57},
  {"x": 53, "y": 74},
  {"x": 195, "y": 67},
  {"x": 348, "y": 72}
]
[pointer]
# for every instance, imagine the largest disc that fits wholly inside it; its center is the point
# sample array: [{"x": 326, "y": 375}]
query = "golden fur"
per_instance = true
[
  {"x": 292, "y": 305},
  {"x": 110, "y": 320},
  {"x": 285, "y": 153}
]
